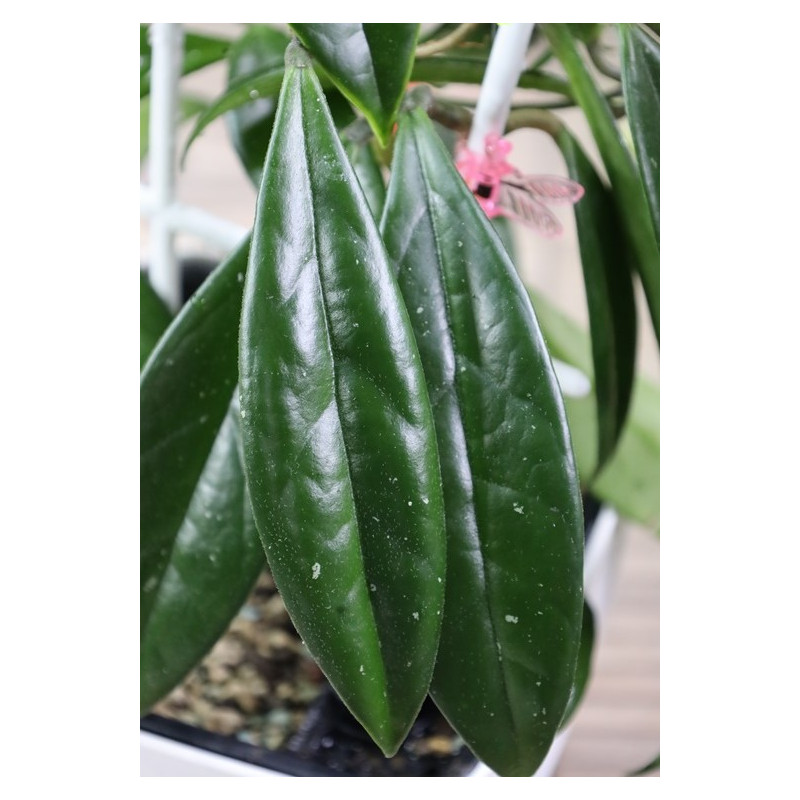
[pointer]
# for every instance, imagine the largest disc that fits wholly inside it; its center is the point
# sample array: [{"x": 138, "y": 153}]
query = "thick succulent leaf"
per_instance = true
[
  {"x": 214, "y": 560},
  {"x": 154, "y": 317},
  {"x": 641, "y": 87},
  {"x": 628, "y": 188},
  {"x": 630, "y": 481},
  {"x": 340, "y": 449},
  {"x": 370, "y": 63},
  {"x": 608, "y": 280},
  {"x": 368, "y": 172},
  {"x": 584, "y": 665},
  {"x": 261, "y": 49},
  {"x": 185, "y": 390},
  {"x": 513, "y": 606}
]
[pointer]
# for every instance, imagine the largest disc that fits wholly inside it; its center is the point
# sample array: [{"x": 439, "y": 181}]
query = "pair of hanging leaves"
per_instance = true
[
  {"x": 338, "y": 343},
  {"x": 404, "y": 441}
]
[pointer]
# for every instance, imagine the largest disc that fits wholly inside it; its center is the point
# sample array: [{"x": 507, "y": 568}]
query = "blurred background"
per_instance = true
[{"x": 616, "y": 729}]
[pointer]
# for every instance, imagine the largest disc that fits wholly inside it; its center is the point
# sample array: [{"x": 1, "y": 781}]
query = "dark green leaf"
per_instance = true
[
  {"x": 191, "y": 492},
  {"x": 584, "y": 665},
  {"x": 154, "y": 317},
  {"x": 370, "y": 63},
  {"x": 609, "y": 296},
  {"x": 630, "y": 481},
  {"x": 641, "y": 87},
  {"x": 513, "y": 606},
  {"x": 215, "y": 559},
  {"x": 368, "y": 172},
  {"x": 261, "y": 49},
  {"x": 628, "y": 189},
  {"x": 340, "y": 450}
]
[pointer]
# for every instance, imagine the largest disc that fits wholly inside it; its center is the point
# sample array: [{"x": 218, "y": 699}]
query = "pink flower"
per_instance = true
[{"x": 502, "y": 190}]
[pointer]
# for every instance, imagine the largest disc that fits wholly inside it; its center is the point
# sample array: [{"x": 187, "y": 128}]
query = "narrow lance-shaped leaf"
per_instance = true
[
  {"x": 340, "y": 449},
  {"x": 191, "y": 492},
  {"x": 605, "y": 259},
  {"x": 154, "y": 317},
  {"x": 628, "y": 189},
  {"x": 513, "y": 605},
  {"x": 370, "y": 63},
  {"x": 214, "y": 561},
  {"x": 641, "y": 87}
]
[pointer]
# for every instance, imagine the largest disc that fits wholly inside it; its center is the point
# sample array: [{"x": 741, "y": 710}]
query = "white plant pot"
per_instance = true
[{"x": 160, "y": 756}]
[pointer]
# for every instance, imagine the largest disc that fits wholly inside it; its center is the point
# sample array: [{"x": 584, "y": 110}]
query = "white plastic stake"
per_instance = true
[
  {"x": 506, "y": 61},
  {"x": 167, "y": 52}
]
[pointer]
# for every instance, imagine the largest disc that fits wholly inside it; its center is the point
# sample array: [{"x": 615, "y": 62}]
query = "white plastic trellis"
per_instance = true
[{"x": 158, "y": 200}]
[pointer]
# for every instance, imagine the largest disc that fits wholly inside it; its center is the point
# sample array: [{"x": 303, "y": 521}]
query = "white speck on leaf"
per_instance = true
[
  {"x": 511, "y": 618},
  {"x": 315, "y": 570},
  {"x": 415, "y": 615},
  {"x": 425, "y": 500},
  {"x": 410, "y": 502},
  {"x": 519, "y": 509}
]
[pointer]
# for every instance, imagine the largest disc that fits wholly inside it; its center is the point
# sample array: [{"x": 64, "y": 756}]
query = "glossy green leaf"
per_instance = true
[
  {"x": 154, "y": 317},
  {"x": 368, "y": 172},
  {"x": 370, "y": 63},
  {"x": 340, "y": 450},
  {"x": 190, "y": 487},
  {"x": 630, "y": 481},
  {"x": 641, "y": 87},
  {"x": 261, "y": 49},
  {"x": 513, "y": 606},
  {"x": 609, "y": 295},
  {"x": 213, "y": 563},
  {"x": 584, "y": 669},
  {"x": 628, "y": 189}
]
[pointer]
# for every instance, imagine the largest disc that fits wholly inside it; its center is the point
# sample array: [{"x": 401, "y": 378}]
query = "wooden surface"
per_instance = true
[{"x": 616, "y": 729}]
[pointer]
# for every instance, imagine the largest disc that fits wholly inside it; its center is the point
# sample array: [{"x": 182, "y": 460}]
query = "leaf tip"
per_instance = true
[{"x": 296, "y": 55}]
